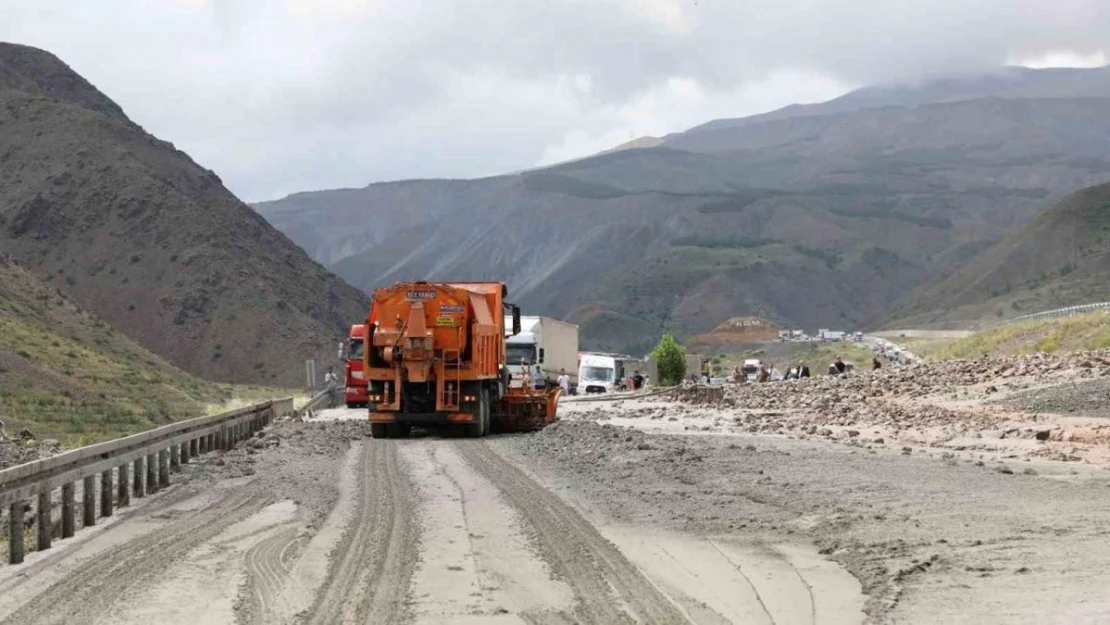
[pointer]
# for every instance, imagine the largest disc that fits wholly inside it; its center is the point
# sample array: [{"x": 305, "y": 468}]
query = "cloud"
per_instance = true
[{"x": 304, "y": 94}]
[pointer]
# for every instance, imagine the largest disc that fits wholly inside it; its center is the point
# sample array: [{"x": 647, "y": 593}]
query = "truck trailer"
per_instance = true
[
  {"x": 544, "y": 348},
  {"x": 435, "y": 356}
]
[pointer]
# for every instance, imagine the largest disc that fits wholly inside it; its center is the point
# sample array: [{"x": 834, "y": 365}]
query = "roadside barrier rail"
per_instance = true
[
  {"x": 142, "y": 464},
  {"x": 318, "y": 401},
  {"x": 1070, "y": 311}
]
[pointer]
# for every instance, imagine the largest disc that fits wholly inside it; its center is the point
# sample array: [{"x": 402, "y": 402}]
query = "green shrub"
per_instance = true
[{"x": 670, "y": 359}]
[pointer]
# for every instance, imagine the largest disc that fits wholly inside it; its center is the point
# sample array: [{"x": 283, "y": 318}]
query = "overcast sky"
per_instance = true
[{"x": 279, "y": 96}]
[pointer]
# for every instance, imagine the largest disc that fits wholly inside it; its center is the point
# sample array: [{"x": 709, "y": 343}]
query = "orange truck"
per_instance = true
[
  {"x": 435, "y": 356},
  {"x": 354, "y": 380}
]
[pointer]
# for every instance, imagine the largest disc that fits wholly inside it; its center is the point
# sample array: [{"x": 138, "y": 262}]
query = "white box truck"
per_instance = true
[
  {"x": 599, "y": 373},
  {"x": 546, "y": 347}
]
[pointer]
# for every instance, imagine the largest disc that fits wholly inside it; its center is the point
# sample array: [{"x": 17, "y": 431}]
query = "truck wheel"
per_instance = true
[
  {"x": 379, "y": 430},
  {"x": 399, "y": 430},
  {"x": 484, "y": 411}
]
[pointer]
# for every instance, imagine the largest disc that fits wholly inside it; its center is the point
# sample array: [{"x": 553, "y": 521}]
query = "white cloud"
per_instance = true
[{"x": 308, "y": 94}]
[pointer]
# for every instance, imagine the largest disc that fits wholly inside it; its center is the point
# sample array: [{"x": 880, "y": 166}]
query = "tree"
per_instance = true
[{"x": 670, "y": 360}]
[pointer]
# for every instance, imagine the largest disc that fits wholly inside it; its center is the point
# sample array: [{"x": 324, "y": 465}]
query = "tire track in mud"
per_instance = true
[
  {"x": 268, "y": 569},
  {"x": 372, "y": 567},
  {"x": 86, "y": 594},
  {"x": 575, "y": 550}
]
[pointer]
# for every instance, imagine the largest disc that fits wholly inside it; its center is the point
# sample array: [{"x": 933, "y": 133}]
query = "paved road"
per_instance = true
[{"x": 424, "y": 530}]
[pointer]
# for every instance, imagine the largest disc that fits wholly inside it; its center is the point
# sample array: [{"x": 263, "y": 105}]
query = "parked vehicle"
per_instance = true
[
  {"x": 599, "y": 373},
  {"x": 545, "y": 346},
  {"x": 354, "y": 378}
]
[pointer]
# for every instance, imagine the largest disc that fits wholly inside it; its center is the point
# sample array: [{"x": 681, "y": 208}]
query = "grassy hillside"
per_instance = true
[
  {"x": 1070, "y": 334},
  {"x": 1060, "y": 259},
  {"x": 151, "y": 242},
  {"x": 66, "y": 374}
]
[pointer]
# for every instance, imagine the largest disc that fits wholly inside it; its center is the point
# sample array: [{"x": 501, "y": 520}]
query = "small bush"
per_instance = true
[{"x": 670, "y": 359}]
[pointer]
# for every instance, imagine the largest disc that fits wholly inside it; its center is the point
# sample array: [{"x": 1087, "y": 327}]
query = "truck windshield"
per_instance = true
[
  {"x": 518, "y": 352},
  {"x": 597, "y": 374},
  {"x": 354, "y": 349}
]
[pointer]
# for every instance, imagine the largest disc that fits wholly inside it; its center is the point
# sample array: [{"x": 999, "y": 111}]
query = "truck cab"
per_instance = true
[
  {"x": 354, "y": 379},
  {"x": 598, "y": 374}
]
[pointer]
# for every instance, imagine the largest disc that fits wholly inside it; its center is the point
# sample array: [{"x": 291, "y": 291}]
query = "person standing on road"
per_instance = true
[
  {"x": 332, "y": 382},
  {"x": 875, "y": 364},
  {"x": 840, "y": 366},
  {"x": 637, "y": 381},
  {"x": 564, "y": 381}
]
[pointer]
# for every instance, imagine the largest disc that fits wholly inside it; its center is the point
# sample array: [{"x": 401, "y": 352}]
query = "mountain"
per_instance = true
[
  {"x": 66, "y": 374},
  {"x": 817, "y": 216},
  {"x": 152, "y": 243},
  {"x": 1060, "y": 259},
  {"x": 1008, "y": 82}
]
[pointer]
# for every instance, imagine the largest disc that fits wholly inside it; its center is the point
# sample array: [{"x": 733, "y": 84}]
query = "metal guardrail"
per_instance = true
[
  {"x": 318, "y": 401},
  {"x": 1070, "y": 311},
  {"x": 154, "y": 455}
]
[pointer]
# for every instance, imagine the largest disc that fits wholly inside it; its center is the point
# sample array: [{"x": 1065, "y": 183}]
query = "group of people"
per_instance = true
[{"x": 770, "y": 373}]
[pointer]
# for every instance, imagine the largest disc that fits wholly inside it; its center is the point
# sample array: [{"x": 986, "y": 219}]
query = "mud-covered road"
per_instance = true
[
  {"x": 623, "y": 512},
  {"x": 318, "y": 523}
]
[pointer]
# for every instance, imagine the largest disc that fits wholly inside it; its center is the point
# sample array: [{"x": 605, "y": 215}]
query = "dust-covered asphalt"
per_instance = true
[{"x": 318, "y": 523}]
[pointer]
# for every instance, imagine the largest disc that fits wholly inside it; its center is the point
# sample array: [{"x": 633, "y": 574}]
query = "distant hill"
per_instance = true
[
  {"x": 66, "y": 374},
  {"x": 154, "y": 244},
  {"x": 1060, "y": 259},
  {"x": 819, "y": 216}
]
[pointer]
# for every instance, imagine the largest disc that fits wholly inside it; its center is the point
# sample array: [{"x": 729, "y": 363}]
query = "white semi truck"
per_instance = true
[{"x": 544, "y": 347}]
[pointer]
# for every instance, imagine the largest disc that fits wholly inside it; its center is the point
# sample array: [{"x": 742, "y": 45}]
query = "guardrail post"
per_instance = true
[
  {"x": 15, "y": 533},
  {"x": 90, "y": 500},
  {"x": 106, "y": 493},
  {"x": 68, "y": 512},
  {"x": 163, "y": 468},
  {"x": 175, "y": 458},
  {"x": 194, "y": 448},
  {"x": 140, "y": 476},
  {"x": 151, "y": 473},
  {"x": 183, "y": 455},
  {"x": 45, "y": 525},
  {"x": 123, "y": 485}
]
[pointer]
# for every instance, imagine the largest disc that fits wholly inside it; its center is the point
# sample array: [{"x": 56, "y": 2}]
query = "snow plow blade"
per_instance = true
[{"x": 524, "y": 410}]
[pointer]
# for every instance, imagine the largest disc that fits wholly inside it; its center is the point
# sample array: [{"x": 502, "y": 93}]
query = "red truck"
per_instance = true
[{"x": 355, "y": 380}]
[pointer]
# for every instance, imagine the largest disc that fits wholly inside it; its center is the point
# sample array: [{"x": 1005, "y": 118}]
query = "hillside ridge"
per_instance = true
[{"x": 153, "y": 243}]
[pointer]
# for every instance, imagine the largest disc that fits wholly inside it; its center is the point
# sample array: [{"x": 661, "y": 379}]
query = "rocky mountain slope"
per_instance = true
[
  {"x": 150, "y": 241},
  {"x": 1060, "y": 259},
  {"x": 814, "y": 216}
]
